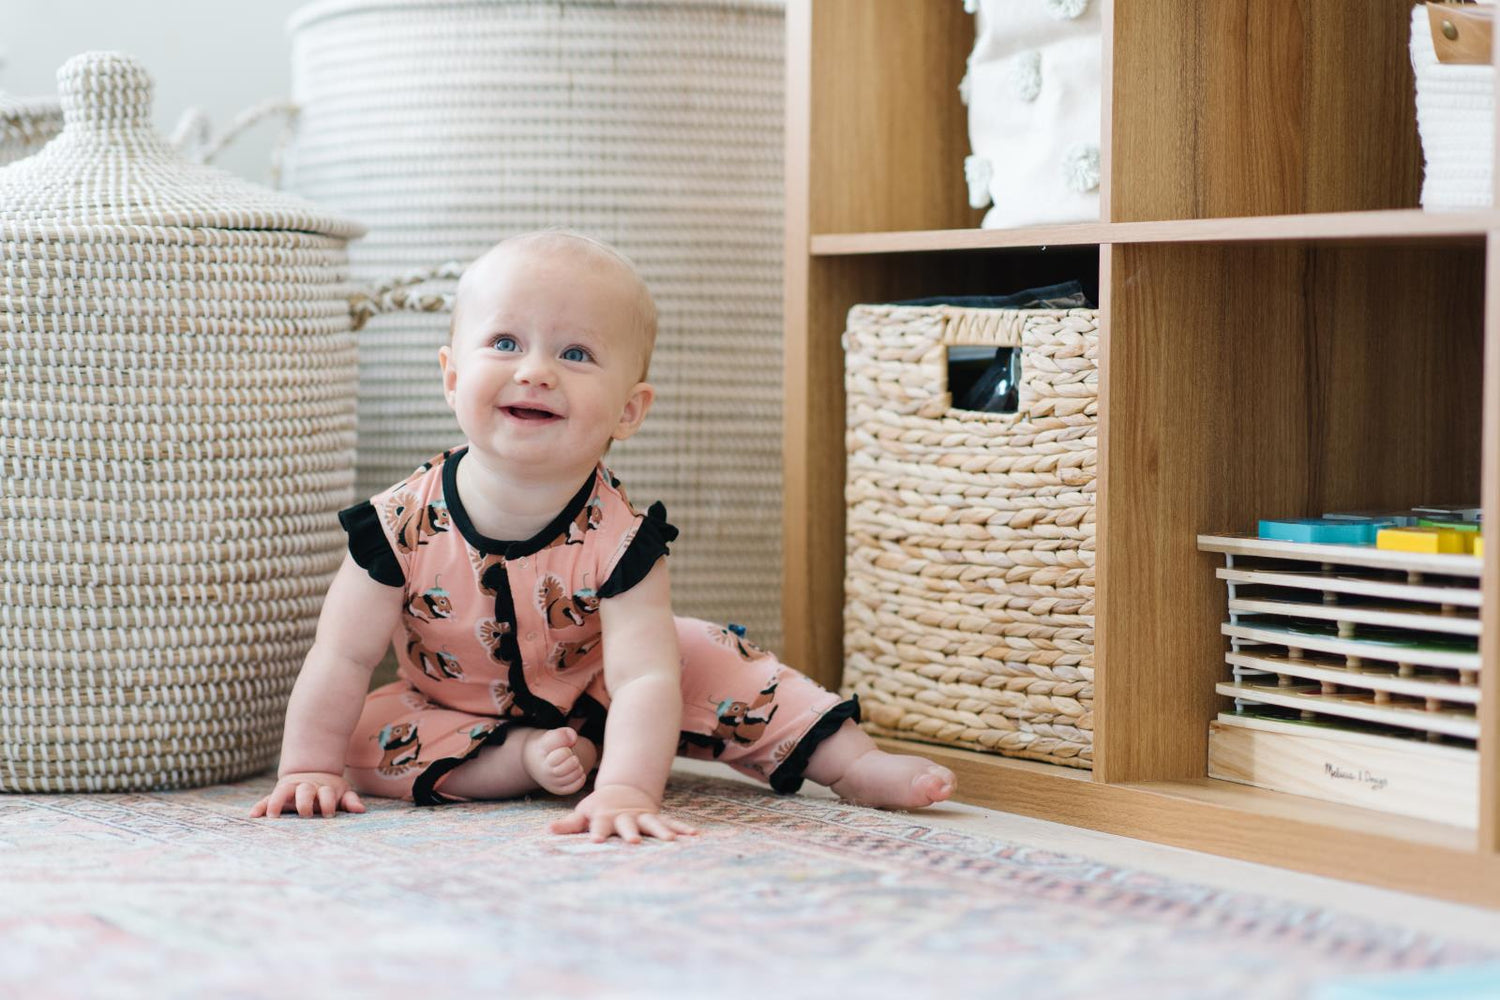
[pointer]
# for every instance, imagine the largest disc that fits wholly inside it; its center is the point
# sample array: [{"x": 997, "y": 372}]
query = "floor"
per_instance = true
[
  {"x": 181, "y": 895},
  {"x": 1480, "y": 926}
]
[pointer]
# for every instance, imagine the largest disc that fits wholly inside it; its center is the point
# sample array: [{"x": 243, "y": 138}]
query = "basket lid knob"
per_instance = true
[{"x": 104, "y": 92}]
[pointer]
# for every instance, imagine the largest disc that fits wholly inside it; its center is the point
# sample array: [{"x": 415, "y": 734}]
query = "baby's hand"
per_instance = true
[
  {"x": 622, "y": 811},
  {"x": 311, "y": 792}
]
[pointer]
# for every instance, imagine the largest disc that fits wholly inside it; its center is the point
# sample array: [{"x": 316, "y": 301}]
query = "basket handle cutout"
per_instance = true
[{"x": 983, "y": 378}]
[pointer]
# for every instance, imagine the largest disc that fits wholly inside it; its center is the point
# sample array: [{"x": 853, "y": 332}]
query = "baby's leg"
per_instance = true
[
  {"x": 856, "y": 769},
  {"x": 745, "y": 708},
  {"x": 554, "y": 760}
]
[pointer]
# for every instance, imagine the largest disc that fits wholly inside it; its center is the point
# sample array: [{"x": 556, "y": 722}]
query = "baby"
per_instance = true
[{"x": 529, "y": 602}]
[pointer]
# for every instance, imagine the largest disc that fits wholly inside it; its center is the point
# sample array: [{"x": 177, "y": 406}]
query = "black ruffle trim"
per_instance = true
[
  {"x": 787, "y": 778},
  {"x": 369, "y": 546},
  {"x": 648, "y": 545},
  {"x": 424, "y": 790}
]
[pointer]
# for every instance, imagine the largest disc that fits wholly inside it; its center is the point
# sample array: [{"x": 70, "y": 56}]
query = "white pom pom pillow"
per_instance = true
[{"x": 1034, "y": 122}]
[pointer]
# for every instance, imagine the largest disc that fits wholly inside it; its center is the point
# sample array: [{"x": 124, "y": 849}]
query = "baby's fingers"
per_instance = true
[
  {"x": 328, "y": 801},
  {"x": 625, "y": 826},
  {"x": 351, "y": 802},
  {"x": 573, "y": 822},
  {"x": 272, "y": 804},
  {"x": 655, "y": 826},
  {"x": 305, "y": 793}
]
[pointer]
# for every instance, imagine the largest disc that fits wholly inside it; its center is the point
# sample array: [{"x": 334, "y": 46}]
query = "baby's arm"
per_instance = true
[
  {"x": 642, "y": 670},
  {"x": 358, "y": 619}
]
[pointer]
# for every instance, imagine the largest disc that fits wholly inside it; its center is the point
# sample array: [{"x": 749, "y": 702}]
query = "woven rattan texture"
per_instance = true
[
  {"x": 26, "y": 125},
  {"x": 176, "y": 437},
  {"x": 654, "y": 126},
  {"x": 969, "y": 607}
]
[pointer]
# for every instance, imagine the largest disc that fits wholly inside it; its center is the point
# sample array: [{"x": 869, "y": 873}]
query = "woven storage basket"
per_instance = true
[
  {"x": 177, "y": 379},
  {"x": 653, "y": 124},
  {"x": 969, "y": 608},
  {"x": 26, "y": 125}
]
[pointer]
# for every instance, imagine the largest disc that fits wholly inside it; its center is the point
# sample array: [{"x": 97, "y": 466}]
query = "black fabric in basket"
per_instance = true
[{"x": 1067, "y": 295}]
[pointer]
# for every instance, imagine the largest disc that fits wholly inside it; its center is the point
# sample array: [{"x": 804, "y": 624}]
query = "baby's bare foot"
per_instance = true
[
  {"x": 556, "y": 760},
  {"x": 894, "y": 781}
]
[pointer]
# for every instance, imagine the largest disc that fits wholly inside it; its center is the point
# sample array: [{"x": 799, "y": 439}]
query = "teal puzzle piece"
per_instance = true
[{"x": 1323, "y": 531}]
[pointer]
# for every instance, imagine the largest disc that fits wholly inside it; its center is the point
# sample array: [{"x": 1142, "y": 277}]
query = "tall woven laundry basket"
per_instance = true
[
  {"x": 26, "y": 125},
  {"x": 655, "y": 125},
  {"x": 969, "y": 589},
  {"x": 177, "y": 379}
]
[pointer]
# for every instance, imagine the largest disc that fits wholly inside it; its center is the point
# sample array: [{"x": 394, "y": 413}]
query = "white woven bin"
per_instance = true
[
  {"x": 969, "y": 581},
  {"x": 653, "y": 124},
  {"x": 1456, "y": 120},
  {"x": 177, "y": 378}
]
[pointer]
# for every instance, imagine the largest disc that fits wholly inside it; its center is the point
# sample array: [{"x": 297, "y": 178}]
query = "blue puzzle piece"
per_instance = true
[{"x": 1323, "y": 531}]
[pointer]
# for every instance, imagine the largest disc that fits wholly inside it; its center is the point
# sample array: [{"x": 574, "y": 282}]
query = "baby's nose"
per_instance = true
[{"x": 535, "y": 371}]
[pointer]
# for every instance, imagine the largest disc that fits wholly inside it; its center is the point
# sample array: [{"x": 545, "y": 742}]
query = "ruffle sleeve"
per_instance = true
[
  {"x": 649, "y": 545},
  {"x": 369, "y": 546}
]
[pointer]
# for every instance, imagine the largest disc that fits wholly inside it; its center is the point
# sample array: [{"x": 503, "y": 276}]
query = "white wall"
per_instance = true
[{"x": 219, "y": 55}]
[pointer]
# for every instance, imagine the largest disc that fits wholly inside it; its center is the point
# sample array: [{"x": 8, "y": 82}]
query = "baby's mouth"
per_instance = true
[{"x": 529, "y": 413}]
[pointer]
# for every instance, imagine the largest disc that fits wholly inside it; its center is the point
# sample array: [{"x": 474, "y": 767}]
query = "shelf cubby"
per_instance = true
[{"x": 1283, "y": 333}]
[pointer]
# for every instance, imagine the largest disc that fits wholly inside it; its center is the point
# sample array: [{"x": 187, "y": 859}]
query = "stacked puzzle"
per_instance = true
[
  {"x": 1449, "y": 530},
  {"x": 1354, "y": 660}
]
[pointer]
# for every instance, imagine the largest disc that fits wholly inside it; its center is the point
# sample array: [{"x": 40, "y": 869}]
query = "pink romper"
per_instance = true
[{"x": 497, "y": 633}]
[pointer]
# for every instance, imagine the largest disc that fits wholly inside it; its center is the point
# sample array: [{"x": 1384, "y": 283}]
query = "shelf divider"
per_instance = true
[{"x": 1489, "y": 640}]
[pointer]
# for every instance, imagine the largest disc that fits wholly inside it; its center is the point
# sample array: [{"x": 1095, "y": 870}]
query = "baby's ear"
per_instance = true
[
  {"x": 450, "y": 374},
  {"x": 636, "y": 407}
]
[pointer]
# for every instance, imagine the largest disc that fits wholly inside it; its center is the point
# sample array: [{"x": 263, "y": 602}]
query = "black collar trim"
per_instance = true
[{"x": 498, "y": 547}]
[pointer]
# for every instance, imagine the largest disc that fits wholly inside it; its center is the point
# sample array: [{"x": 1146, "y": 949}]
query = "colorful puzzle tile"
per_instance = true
[
  {"x": 1451, "y": 512},
  {"x": 1322, "y": 530},
  {"x": 1397, "y": 518},
  {"x": 1432, "y": 540},
  {"x": 1471, "y": 526}
]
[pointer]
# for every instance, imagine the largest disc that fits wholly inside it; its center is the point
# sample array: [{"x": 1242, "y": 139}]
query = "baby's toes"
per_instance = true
[
  {"x": 935, "y": 784},
  {"x": 563, "y": 761},
  {"x": 569, "y": 778}
]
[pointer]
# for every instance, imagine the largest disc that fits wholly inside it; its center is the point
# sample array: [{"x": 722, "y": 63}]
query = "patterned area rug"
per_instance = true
[{"x": 179, "y": 895}]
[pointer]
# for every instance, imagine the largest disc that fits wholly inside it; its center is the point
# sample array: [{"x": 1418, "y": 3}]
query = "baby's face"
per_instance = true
[{"x": 547, "y": 352}]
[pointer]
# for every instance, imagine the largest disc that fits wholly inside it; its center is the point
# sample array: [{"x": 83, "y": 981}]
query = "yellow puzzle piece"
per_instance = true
[{"x": 1443, "y": 540}]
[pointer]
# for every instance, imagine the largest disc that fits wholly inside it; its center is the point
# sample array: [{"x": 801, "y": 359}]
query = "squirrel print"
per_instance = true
[
  {"x": 737, "y": 724},
  {"x": 431, "y": 604},
  {"x": 560, "y": 608},
  {"x": 410, "y": 520},
  {"x": 733, "y": 636},
  {"x": 399, "y": 741},
  {"x": 436, "y": 664}
]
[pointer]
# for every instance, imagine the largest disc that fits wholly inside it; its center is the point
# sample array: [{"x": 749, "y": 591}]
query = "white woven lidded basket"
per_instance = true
[
  {"x": 653, "y": 124},
  {"x": 969, "y": 581},
  {"x": 177, "y": 381},
  {"x": 26, "y": 125}
]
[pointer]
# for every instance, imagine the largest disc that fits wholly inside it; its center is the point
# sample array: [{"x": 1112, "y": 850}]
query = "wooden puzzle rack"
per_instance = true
[{"x": 1348, "y": 640}]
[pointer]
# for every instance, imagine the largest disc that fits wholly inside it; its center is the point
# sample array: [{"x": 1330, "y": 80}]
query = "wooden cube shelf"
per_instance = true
[{"x": 1284, "y": 332}]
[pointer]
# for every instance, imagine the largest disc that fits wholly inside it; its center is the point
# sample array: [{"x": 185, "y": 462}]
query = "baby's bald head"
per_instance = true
[{"x": 596, "y": 259}]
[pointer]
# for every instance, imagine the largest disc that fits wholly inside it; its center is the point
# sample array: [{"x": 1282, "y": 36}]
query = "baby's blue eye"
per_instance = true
[
  {"x": 506, "y": 344},
  {"x": 575, "y": 354}
]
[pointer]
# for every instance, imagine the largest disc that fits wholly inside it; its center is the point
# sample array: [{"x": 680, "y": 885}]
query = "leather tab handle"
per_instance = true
[{"x": 1461, "y": 32}]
